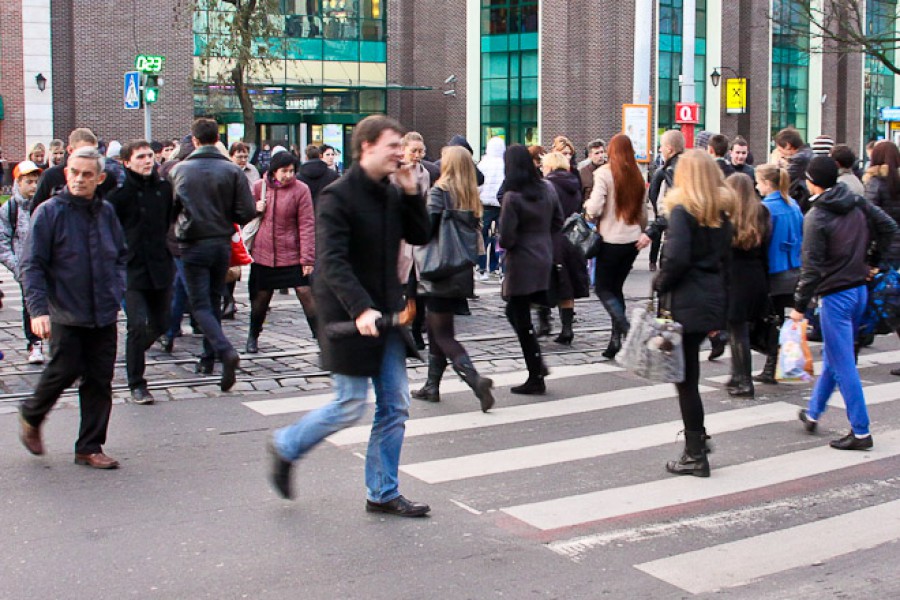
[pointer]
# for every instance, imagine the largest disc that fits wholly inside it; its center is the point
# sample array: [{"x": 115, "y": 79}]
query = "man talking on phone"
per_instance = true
[{"x": 360, "y": 221}]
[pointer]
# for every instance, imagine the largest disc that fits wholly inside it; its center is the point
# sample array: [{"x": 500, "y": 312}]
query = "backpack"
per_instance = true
[{"x": 13, "y": 216}]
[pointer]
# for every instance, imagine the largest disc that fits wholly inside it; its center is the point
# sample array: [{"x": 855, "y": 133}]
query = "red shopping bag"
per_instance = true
[{"x": 239, "y": 254}]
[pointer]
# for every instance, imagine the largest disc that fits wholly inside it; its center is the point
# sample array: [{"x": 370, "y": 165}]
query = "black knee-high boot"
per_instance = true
[
  {"x": 620, "y": 326},
  {"x": 566, "y": 317},
  {"x": 431, "y": 390},
  {"x": 741, "y": 362},
  {"x": 531, "y": 350},
  {"x": 544, "y": 328},
  {"x": 480, "y": 385}
]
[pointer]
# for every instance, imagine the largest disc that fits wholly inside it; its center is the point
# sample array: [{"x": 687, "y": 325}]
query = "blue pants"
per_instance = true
[
  {"x": 349, "y": 405},
  {"x": 491, "y": 215},
  {"x": 179, "y": 299},
  {"x": 840, "y": 315},
  {"x": 205, "y": 265}
]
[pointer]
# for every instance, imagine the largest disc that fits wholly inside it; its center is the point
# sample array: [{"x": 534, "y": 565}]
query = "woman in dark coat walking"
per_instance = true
[
  {"x": 528, "y": 218},
  {"x": 569, "y": 279},
  {"x": 692, "y": 282},
  {"x": 748, "y": 296},
  {"x": 455, "y": 190}
]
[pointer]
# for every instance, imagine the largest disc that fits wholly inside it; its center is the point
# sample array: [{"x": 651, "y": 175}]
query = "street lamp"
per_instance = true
[
  {"x": 715, "y": 77},
  {"x": 41, "y": 81}
]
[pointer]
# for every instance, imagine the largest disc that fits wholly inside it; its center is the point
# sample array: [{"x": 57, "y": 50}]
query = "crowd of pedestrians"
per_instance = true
[{"x": 152, "y": 227}]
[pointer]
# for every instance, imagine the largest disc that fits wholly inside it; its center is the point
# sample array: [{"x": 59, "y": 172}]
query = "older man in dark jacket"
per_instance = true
[
  {"x": 211, "y": 195},
  {"x": 359, "y": 224},
  {"x": 74, "y": 274},
  {"x": 144, "y": 207}
]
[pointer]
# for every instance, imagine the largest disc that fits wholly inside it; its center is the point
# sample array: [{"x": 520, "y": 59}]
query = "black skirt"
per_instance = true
[{"x": 264, "y": 278}]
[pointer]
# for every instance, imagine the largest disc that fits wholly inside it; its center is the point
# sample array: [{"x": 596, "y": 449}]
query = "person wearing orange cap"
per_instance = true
[{"x": 15, "y": 222}]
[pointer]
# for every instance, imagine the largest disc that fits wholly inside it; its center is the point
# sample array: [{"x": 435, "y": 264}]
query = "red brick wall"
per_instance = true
[
  {"x": 104, "y": 39},
  {"x": 12, "y": 127}
]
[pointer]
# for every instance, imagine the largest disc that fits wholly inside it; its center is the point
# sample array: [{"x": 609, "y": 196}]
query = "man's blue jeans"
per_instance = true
[
  {"x": 349, "y": 405},
  {"x": 491, "y": 215},
  {"x": 840, "y": 315},
  {"x": 205, "y": 265},
  {"x": 179, "y": 299}
]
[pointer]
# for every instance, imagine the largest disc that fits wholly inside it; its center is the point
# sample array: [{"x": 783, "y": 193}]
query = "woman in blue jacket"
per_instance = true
[{"x": 773, "y": 183}]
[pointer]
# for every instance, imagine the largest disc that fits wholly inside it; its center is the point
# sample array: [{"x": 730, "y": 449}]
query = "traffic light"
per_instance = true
[{"x": 151, "y": 89}]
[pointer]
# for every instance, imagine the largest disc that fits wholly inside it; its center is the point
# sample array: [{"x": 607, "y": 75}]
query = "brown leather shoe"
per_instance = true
[
  {"x": 96, "y": 461},
  {"x": 31, "y": 437}
]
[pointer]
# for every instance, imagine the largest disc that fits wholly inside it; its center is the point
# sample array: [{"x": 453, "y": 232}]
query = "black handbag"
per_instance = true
[
  {"x": 454, "y": 250},
  {"x": 578, "y": 231}
]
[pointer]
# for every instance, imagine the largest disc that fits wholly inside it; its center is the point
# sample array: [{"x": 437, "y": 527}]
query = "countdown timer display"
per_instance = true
[{"x": 149, "y": 63}]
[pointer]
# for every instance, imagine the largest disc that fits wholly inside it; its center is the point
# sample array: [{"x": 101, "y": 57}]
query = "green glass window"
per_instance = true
[
  {"x": 669, "y": 67},
  {"x": 879, "y": 80},
  {"x": 790, "y": 66},
  {"x": 509, "y": 70}
]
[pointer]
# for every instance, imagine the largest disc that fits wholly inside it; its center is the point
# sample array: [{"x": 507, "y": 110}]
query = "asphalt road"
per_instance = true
[{"x": 560, "y": 496}]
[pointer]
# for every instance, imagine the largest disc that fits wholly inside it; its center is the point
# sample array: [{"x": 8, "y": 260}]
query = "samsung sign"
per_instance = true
[{"x": 890, "y": 113}]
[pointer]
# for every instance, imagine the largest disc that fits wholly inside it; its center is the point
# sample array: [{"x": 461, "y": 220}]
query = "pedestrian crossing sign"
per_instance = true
[{"x": 132, "y": 90}]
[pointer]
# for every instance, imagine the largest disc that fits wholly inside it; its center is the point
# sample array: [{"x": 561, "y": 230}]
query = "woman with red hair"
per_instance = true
[{"x": 618, "y": 204}]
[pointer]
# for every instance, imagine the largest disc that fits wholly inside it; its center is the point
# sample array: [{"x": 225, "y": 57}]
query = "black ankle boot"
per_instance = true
[
  {"x": 615, "y": 344},
  {"x": 693, "y": 460},
  {"x": 544, "y": 328},
  {"x": 717, "y": 342},
  {"x": 313, "y": 323},
  {"x": 566, "y": 316},
  {"x": 533, "y": 386},
  {"x": 205, "y": 365},
  {"x": 430, "y": 392},
  {"x": 767, "y": 375},
  {"x": 252, "y": 346},
  {"x": 480, "y": 385}
]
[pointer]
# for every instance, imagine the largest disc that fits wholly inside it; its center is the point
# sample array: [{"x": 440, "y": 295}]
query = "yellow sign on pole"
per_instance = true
[{"x": 736, "y": 96}]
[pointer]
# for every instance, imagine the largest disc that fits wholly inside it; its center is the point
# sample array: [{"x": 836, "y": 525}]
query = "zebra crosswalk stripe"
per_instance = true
[
  {"x": 528, "y": 457},
  {"x": 605, "y": 504},
  {"x": 743, "y": 561}
]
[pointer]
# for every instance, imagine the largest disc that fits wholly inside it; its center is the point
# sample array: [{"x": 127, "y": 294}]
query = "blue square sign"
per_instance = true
[{"x": 132, "y": 90}]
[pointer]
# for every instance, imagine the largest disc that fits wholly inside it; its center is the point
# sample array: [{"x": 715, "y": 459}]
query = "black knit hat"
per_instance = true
[
  {"x": 822, "y": 171},
  {"x": 281, "y": 160}
]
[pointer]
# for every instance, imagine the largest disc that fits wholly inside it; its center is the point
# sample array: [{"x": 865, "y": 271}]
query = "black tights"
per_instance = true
[
  {"x": 518, "y": 312},
  {"x": 688, "y": 393},
  {"x": 442, "y": 336},
  {"x": 259, "y": 306}
]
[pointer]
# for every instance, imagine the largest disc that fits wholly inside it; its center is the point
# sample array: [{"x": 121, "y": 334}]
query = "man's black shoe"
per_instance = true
[
  {"x": 204, "y": 366},
  {"x": 280, "y": 475},
  {"x": 399, "y": 506},
  {"x": 229, "y": 366},
  {"x": 851, "y": 442},
  {"x": 808, "y": 424},
  {"x": 141, "y": 395}
]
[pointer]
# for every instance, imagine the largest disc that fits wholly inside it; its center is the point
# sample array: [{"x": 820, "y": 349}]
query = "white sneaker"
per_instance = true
[
  {"x": 36, "y": 357},
  {"x": 484, "y": 276}
]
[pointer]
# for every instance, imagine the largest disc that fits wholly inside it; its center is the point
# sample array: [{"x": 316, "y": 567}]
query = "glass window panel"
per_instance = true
[
  {"x": 341, "y": 50},
  {"x": 373, "y": 51},
  {"x": 373, "y": 74},
  {"x": 529, "y": 64},
  {"x": 529, "y": 88}
]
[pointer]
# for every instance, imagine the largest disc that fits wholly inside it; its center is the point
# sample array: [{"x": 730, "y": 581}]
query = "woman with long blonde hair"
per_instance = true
[
  {"x": 456, "y": 189},
  {"x": 748, "y": 295},
  {"x": 692, "y": 283},
  {"x": 783, "y": 251}
]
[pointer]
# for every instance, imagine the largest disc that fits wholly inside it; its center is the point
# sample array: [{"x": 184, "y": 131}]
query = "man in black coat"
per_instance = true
[
  {"x": 211, "y": 195},
  {"x": 360, "y": 221},
  {"x": 144, "y": 207},
  {"x": 73, "y": 269},
  {"x": 54, "y": 179},
  {"x": 315, "y": 173}
]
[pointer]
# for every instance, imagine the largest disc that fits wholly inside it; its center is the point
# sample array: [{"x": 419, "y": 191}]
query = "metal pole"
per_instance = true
[
  {"x": 148, "y": 127},
  {"x": 688, "y": 35}
]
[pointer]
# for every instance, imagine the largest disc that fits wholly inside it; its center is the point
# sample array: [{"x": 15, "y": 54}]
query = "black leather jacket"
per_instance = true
[
  {"x": 211, "y": 194},
  {"x": 837, "y": 235}
]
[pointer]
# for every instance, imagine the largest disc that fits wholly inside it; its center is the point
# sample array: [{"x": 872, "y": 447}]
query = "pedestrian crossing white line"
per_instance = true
[
  {"x": 874, "y": 394},
  {"x": 674, "y": 490},
  {"x": 741, "y": 562},
  {"x": 520, "y": 413},
  {"x": 279, "y": 406},
  {"x": 865, "y": 361},
  {"x": 540, "y": 455}
]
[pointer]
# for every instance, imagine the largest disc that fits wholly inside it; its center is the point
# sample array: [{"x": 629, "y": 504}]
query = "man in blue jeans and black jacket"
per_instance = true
[{"x": 837, "y": 235}]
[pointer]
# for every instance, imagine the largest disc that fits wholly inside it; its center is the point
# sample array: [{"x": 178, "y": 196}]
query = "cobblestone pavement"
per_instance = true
[{"x": 288, "y": 358}]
